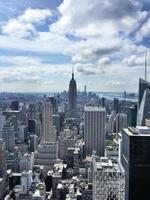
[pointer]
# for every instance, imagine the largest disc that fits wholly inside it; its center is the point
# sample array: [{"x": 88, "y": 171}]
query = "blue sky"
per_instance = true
[{"x": 105, "y": 41}]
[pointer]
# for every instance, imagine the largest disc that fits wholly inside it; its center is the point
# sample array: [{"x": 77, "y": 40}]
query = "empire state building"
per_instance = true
[{"x": 72, "y": 96}]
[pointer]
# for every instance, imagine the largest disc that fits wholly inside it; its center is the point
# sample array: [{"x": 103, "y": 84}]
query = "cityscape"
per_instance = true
[{"x": 74, "y": 100}]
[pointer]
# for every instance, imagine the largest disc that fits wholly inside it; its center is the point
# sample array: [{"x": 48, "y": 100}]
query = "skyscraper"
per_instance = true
[
  {"x": 143, "y": 102},
  {"x": 94, "y": 130},
  {"x": 49, "y": 133},
  {"x": 143, "y": 85},
  {"x": 116, "y": 105},
  {"x": 2, "y": 159},
  {"x": 135, "y": 153},
  {"x": 47, "y": 150},
  {"x": 8, "y": 135},
  {"x": 72, "y": 96},
  {"x": 121, "y": 122},
  {"x": 132, "y": 115}
]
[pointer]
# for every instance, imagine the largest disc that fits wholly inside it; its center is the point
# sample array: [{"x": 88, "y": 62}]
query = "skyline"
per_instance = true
[{"x": 105, "y": 42}]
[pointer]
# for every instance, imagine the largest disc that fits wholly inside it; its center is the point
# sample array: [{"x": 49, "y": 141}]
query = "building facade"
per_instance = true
[
  {"x": 72, "y": 97},
  {"x": 108, "y": 179},
  {"x": 94, "y": 130},
  {"x": 135, "y": 153}
]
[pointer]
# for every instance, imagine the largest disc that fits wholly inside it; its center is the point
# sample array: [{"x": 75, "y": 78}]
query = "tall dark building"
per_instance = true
[
  {"x": 116, "y": 105},
  {"x": 14, "y": 105},
  {"x": 132, "y": 115},
  {"x": 72, "y": 97},
  {"x": 135, "y": 154},
  {"x": 32, "y": 126},
  {"x": 103, "y": 101}
]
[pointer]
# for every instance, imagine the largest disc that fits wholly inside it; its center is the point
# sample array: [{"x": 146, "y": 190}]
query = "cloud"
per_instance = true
[
  {"x": 104, "y": 61},
  {"x": 35, "y": 16},
  {"x": 134, "y": 60},
  {"x": 34, "y": 78},
  {"x": 20, "y": 61},
  {"x": 97, "y": 36},
  {"x": 24, "y": 25},
  {"x": 46, "y": 42},
  {"x": 94, "y": 48},
  {"x": 87, "y": 69},
  {"x": 97, "y": 16},
  {"x": 144, "y": 31}
]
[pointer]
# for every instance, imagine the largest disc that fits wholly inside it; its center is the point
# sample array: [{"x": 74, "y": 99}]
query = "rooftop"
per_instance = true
[
  {"x": 138, "y": 131},
  {"x": 107, "y": 165}
]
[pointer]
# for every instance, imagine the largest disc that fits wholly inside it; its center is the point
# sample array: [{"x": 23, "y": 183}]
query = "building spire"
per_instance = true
[
  {"x": 146, "y": 66},
  {"x": 72, "y": 72}
]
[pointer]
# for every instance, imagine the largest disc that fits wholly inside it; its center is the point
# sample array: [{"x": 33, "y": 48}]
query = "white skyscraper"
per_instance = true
[
  {"x": 49, "y": 132},
  {"x": 94, "y": 130},
  {"x": 47, "y": 150}
]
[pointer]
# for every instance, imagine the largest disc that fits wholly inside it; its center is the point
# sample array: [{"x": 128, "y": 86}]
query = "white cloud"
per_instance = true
[
  {"x": 144, "y": 31},
  {"x": 35, "y": 16},
  {"x": 20, "y": 60},
  {"x": 18, "y": 29},
  {"x": 90, "y": 18},
  {"x": 104, "y": 61},
  {"x": 134, "y": 60},
  {"x": 23, "y": 25},
  {"x": 45, "y": 42},
  {"x": 87, "y": 69},
  {"x": 99, "y": 30}
]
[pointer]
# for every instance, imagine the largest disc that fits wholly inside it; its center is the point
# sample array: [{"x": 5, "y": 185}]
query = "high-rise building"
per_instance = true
[
  {"x": 49, "y": 133},
  {"x": 132, "y": 115},
  {"x": 32, "y": 126},
  {"x": 112, "y": 121},
  {"x": 47, "y": 150},
  {"x": 85, "y": 90},
  {"x": 14, "y": 105},
  {"x": 134, "y": 155},
  {"x": 2, "y": 159},
  {"x": 94, "y": 130},
  {"x": 26, "y": 180},
  {"x": 143, "y": 102},
  {"x": 53, "y": 101},
  {"x": 32, "y": 110},
  {"x": 103, "y": 102},
  {"x": 56, "y": 121},
  {"x": 143, "y": 85},
  {"x": 8, "y": 135},
  {"x": 144, "y": 109},
  {"x": 121, "y": 122},
  {"x": 108, "y": 179},
  {"x": 26, "y": 161},
  {"x": 33, "y": 142},
  {"x": 12, "y": 160},
  {"x": 72, "y": 97},
  {"x": 116, "y": 105},
  {"x": 2, "y": 123}
]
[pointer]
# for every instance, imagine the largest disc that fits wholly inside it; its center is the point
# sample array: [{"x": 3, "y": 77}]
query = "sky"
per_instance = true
[{"x": 104, "y": 41}]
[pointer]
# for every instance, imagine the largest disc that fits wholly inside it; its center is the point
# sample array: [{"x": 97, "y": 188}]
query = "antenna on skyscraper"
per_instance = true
[
  {"x": 72, "y": 71},
  {"x": 146, "y": 66}
]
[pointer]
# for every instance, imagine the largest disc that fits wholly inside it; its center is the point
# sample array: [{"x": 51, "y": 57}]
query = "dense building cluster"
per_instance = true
[{"x": 75, "y": 146}]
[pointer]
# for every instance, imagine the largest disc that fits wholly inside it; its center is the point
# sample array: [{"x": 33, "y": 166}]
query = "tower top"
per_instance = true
[
  {"x": 72, "y": 72},
  {"x": 146, "y": 66}
]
